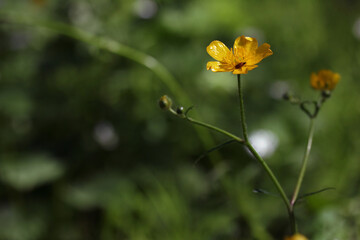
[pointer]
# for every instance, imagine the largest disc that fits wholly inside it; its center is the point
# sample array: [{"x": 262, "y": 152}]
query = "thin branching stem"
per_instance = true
[
  {"x": 304, "y": 163},
  {"x": 257, "y": 156},
  {"x": 208, "y": 126},
  {"x": 215, "y": 129}
]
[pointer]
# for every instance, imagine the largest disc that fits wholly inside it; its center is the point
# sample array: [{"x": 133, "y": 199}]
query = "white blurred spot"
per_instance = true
[
  {"x": 145, "y": 8},
  {"x": 278, "y": 89},
  {"x": 105, "y": 135},
  {"x": 356, "y": 28},
  {"x": 264, "y": 142}
]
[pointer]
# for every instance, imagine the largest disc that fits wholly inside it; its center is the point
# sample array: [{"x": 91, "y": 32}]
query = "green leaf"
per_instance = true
[{"x": 27, "y": 172}]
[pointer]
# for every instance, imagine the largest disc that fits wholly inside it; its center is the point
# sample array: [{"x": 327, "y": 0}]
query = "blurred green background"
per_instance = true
[{"x": 86, "y": 153}]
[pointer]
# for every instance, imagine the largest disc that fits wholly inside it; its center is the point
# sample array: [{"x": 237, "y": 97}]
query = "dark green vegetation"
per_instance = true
[{"x": 86, "y": 153}]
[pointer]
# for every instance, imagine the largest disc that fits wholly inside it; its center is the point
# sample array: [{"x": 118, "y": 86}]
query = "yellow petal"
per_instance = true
[
  {"x": 315, "y": 83},
  {"x": 245, "y": 46},
  {"x": 335, "y": 80},
  {"x": 250, "y": 67},
  {"x": 219, "y": 51},
  {"x": 240, "y": 71},
  {"x": 329, "y": 79},
  {"x": 262, "y": 52},
  {"x": 219, "y": 67}
]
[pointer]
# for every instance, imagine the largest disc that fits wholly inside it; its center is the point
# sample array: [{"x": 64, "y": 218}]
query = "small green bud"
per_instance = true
[
  {"x": 286, "y": 96},
  {"x": 180, "y": 110},
  {"x": 165, "y": 103}
]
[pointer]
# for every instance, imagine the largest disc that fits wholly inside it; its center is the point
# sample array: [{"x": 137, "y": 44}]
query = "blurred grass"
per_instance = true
[
  {"x": 87, "y": 154},
  {"x": 114, "y": 47}
]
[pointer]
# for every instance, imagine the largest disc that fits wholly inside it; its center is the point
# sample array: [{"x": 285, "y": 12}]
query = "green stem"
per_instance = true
[
  {"x": 209, "y": 126},
  {"x": 215, "y": 129},
  {"x": 242, "y": 110},
  {"x": 304, "y": 163},
  {"x": 292, "y": 219},
  {"x": 256, "y": 155},
  {"x": 270, "y": 173}
]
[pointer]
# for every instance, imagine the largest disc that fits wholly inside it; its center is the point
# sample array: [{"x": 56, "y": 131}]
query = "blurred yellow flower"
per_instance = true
[
  {"x": 239, "y": 60},
  {"x": 324, "y": 80},
  {"x": 297, "y": 236}
]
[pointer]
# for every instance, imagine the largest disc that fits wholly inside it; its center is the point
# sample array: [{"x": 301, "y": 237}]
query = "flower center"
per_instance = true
[{"x": 240, "y": 65}]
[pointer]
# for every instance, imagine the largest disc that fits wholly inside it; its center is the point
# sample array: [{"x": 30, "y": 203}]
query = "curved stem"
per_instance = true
[
  {"x": 257, "y": 156},
  {"x": 304, "y": 163},
  {"x": 211, "y": 127},
  {"x": 270, "y": 173}
]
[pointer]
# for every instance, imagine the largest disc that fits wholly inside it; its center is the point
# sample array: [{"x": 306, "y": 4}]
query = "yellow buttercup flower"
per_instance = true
[
  {"x": 297, "y": 236},
  {"x": 324, "y": 80},
  {"x": 243, "y": 58}
]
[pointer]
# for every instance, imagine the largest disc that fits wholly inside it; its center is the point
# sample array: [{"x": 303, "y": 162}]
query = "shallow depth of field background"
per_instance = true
[{"x": 85, "y": 152}]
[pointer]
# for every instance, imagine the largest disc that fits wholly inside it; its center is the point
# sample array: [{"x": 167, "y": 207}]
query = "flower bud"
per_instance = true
[
  {"x": 180, "y": 110},
  {"x": 297, "y": 236},
  {"x": 286, "y": 96},
  {"x": 165, "y": 102},
  {"x": 324, "y": 80}
]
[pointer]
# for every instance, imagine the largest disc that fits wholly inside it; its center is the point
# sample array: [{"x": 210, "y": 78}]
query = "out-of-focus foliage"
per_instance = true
[
  {"x": 24, "y": 173},
  {"x": 87, "y": 154}
]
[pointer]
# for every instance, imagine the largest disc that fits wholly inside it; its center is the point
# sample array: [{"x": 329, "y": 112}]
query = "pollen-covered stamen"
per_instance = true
[{"x": 239, "y": 65}]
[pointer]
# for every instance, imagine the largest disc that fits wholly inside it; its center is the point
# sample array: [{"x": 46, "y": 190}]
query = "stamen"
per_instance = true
[{"x": 240, "y": 65}]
